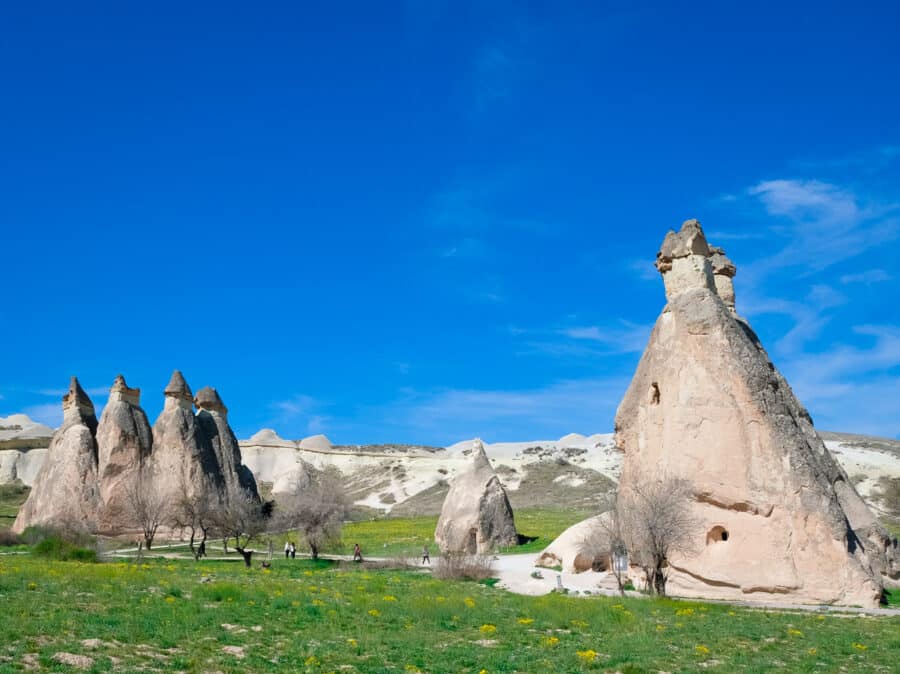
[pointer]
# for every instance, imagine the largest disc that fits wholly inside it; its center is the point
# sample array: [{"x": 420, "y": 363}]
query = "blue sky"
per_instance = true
[{"x": 426, "y": 221}]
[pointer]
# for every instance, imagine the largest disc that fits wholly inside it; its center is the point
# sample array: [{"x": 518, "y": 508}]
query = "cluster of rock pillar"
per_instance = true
[{"x": 91, "y": 466}]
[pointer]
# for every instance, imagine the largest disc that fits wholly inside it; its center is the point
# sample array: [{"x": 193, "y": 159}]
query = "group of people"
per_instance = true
[{"x": 290, "y": 552}]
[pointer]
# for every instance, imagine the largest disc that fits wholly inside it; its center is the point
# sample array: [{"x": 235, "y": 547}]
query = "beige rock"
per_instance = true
[
  {"x": 66, "y": 491},
  {"x": 220, "y": 442},
  {"x": 181, "y": 458},
  {"x": 579, "y": 547},
  {"x": 124, "y": 443},
  {"x": 476, "y": 516},
  {"x": 706, "y": 404},
  {"x": 74, "y": 660}
]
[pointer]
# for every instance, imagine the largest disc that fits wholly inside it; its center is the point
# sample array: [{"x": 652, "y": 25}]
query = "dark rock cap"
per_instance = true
[
  {"x": 721, "y": 263},
  {"x": 208, "y": 398},
  {"x": 690, "y": 240},
  {"x": 178, "y": 387},
  {"x": 76, "y": 396}
]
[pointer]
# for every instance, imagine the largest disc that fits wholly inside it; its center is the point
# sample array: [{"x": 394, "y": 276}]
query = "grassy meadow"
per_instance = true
[
  {"x": 318, "y": 617},
  {"x": 305, "y": 616}
]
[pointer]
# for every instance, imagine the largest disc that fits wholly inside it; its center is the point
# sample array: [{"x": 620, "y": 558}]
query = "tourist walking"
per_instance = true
[
  {"x": 287, "y": 549},
  {"x": 426, "y": 558},
  {"x": 357, "y": 553},
  {"x": 293, "y": 550}
]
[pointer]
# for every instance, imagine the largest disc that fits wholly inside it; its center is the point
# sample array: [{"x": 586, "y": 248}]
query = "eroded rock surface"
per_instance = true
[
  {"x": 66, "y": 489},
  {"x": 220, "y": 442},
  {"x": 183, "y": 463},
  {"x": 706, "y": 404},
  {"x": 476, "y": 516}
]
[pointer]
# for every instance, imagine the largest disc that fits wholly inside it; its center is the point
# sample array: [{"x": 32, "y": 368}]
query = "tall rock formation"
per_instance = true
[
  {"x": 65, "y": 492},
  {"x": 476, "y": 516},
  {"x": 776, "y": 514},
  {"x": 182, "y": 461},
  {"x": 220, "y": 442},
  {"x": 124, "y": 443}
]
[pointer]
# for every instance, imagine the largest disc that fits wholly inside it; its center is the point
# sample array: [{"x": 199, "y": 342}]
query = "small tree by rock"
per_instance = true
[
  {"x": 241, "y": 517},
  {"x": 656, "y": 523},
  {"x": 316, "y": 509},
  {"x": 193, "y": 512},
  {"x": 145, "y": 507},
  {"x": 612, "y": 541}
]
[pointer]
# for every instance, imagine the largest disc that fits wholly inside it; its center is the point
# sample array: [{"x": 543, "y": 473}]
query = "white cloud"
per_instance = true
[
  {"x": 852, "y": 388},
  {"x": 294, "y": 406},
  {"x": 867, "y": 277},
  {"x": 824, "y": 223}
]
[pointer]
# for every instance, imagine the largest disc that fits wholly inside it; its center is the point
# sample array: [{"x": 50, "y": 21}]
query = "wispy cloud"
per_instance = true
[
  {"x": 59, "y": 392},
  {"x": 867, "y": 277},
  {"x": 852, "y": 388},
  {"x": 299, "y": 413},
  {"x": 587, "y": 406},
  {"x": 822, "y": 222},
  {"x": 50, "y": 414}
]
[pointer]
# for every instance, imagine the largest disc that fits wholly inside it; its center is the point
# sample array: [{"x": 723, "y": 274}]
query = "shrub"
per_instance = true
[
  {"x": 54, "y": 547},
  {"x": 7, "y": 538},
  {"x": 454, "y": 566}
]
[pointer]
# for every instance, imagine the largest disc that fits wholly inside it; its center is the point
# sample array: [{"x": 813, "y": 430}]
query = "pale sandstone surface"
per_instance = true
[
  {"x": 124, "y": 443},
  {"x": 576, "y": 548},
  {"x": 66, "y": 488},
  {"x": 706, "y": 404},
  {"x": 476, "y": 516},
  {"x": 182, "y": 462}
]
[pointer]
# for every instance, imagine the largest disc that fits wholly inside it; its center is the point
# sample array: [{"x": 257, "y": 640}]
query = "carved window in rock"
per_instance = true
[
  {"x": 717, "y": 535},
  {"x": 654, "y": 393}
]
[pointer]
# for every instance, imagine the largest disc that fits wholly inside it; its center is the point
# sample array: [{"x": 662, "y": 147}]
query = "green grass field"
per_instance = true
[
  {"x": 307, "y": 617},
  {"x": 390, "y": 537},
  {"x": 12, "y": 496}
]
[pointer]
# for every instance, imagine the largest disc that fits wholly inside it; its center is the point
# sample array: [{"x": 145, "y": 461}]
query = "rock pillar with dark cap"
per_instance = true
[
  {"x": 183, "y": 464},
  {"x": 65, "y": 492},
  {"x": 124, "y": 444},
  {"x": 707, "y": 405},
  {"x": 219, "y": 441}
]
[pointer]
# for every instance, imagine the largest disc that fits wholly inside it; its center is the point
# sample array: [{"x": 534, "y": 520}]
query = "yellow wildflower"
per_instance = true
[
  {"x": 684, "y": 611},
  {"x": 860, "y": 647},
  {"x": 374, "y": 612},
  {"x": 550, "y": 642},
  {"x": 812, "y": 651},
  {"x": 587, "y": 656},
  {"x": 487, "y": 628},
  {"x": 794, "y": 632},
  {"x": 468, "y": 601},
  {"x": 389, "y": 597},
  {"x": 311, "y": 661},
  {"x": 526, "y": 621},
  {"x": 701, "y": 649},
  {"x": 170, "y": 599},
  {"x": 352, "y": 643}
]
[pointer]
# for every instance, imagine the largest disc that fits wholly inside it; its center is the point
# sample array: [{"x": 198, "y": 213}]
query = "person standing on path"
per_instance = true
[
  {"x": 426, "y": 558},
  {"x": 357, "y": 553},
  {"x": 293, "y": 550},
  {"x": 287, "y": 549}
]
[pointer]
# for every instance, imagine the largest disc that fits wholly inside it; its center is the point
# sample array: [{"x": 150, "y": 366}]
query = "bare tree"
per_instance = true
[
  {"x": 194, "y": 512},
  {"x": 316, "y": 508},
  {"x": 146, "y": 507},
  {"x": 241, "y": 517},
  {"x": 656, "y": 522},
  {"x": 612, "y": 542}
]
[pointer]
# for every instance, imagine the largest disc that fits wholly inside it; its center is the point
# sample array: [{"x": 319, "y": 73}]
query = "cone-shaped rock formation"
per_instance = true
[
  {"x": 476, "y": 516},
  {"x": 65, "y": 491},
  {"x": 775, "y": 512},
  {"x": 124, "y": 443},
  {"x": 220, "y": 442},
  {"x": 182, "y": 462}
]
